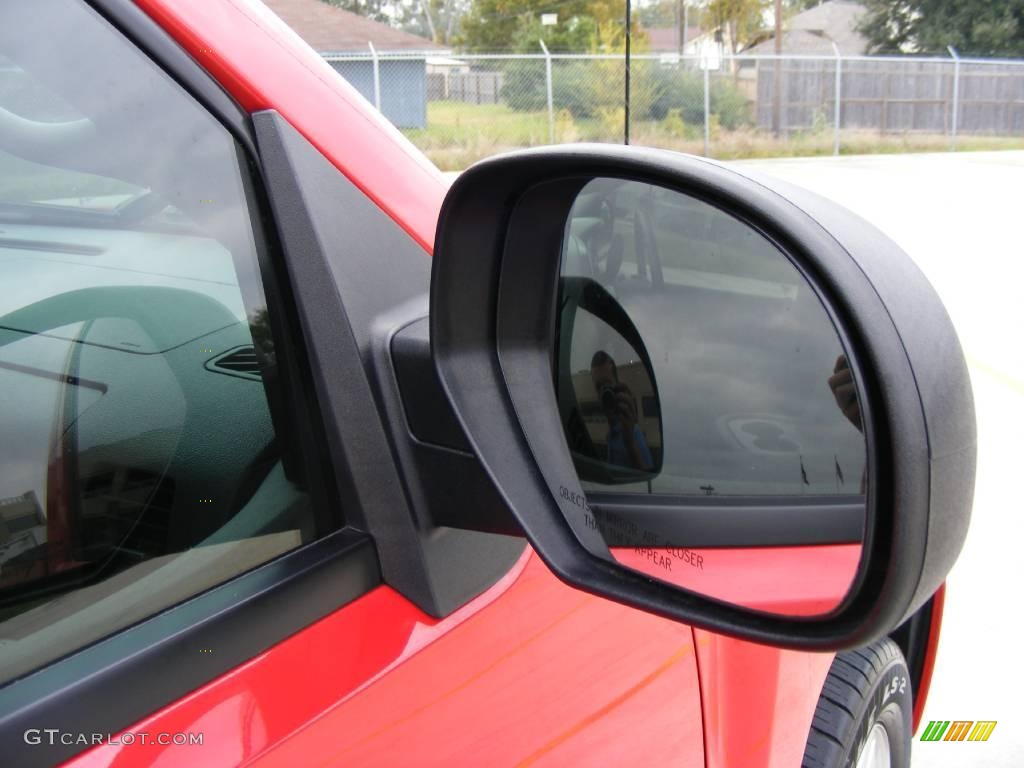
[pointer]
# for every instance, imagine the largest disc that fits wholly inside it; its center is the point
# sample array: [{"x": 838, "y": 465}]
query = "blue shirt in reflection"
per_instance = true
[{"x": 619, "y": 454}]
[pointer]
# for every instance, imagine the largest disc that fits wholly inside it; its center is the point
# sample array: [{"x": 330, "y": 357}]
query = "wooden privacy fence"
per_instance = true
[
  {"x": 891, "y": 95},
  {"x": 469, "y": 87},
  {"x": 683, "y": 96}
]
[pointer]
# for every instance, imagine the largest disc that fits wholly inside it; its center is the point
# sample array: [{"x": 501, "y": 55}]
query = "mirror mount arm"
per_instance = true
[{"x": 458, "y": 493}]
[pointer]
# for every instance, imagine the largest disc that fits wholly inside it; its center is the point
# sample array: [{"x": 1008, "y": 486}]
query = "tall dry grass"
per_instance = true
[{"x": 459, "y": 134}]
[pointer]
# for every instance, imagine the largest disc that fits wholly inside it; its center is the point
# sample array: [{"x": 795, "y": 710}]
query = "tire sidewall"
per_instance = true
[{"x": 890, "y": 704}]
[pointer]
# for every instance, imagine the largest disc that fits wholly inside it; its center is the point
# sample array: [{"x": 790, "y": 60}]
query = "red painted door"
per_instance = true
[{"x": 530, "y": 673}]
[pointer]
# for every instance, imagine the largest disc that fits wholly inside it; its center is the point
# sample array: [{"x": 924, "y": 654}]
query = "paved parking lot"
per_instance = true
[{"x": 960, "y": 216}]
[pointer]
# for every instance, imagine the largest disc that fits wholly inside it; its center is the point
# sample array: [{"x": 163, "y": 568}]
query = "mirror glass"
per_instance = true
[
  {"x": 707, "y": 402},
  {"x": 606, "y": 390}
]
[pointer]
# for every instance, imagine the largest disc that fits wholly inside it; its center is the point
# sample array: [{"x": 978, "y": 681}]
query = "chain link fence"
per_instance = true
[{"x": 463, "y": 107}]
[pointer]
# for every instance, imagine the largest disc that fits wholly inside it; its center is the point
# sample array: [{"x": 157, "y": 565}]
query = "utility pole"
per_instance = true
[
  {"x": 678, "y": 21},
  {"x": 628, "y": 35},
  {"x": 686, "y": 26},
  {"x": 777, "y": 72}
]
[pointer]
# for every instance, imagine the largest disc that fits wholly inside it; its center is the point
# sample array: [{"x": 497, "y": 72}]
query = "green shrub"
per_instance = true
[
  {"x": 575, "y": 88},
  {"x": 730, "y": 105},
  {"x": 589, "y": 89},
  {"x": 679, "y": 90},
  {"x": 683, "y": 90},
  {"x": 525, "y": 86},
  {"x": 673, "y": 124}
]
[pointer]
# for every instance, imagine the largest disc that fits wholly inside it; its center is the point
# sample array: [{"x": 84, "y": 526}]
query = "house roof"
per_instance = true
[
  {"x": 664, "y": 39},
  {"x": 814, "y": 30},
  {"x": 329, "y": 29}
]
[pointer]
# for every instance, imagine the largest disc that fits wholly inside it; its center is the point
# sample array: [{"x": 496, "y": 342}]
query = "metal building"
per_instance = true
[{"x": 346, "y": 40}]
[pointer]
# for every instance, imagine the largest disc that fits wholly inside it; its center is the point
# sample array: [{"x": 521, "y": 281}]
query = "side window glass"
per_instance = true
[
  {"x": 139, "y": 461},
  {"x": 727, "y": 379}
]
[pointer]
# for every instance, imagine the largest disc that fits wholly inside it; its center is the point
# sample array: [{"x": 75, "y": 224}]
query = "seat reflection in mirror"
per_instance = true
[{"x": 844, "y": 391}]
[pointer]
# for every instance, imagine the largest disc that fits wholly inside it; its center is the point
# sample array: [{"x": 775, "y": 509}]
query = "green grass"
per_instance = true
[
  {"x": 459, "y": 134},
  {"x": 453, "y": 123}
]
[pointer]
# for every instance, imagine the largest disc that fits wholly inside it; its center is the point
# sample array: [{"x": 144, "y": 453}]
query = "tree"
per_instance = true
[
  {"x": 435, "y": 19},
  {"x": 496, "y": 25},
  {"x": 972, "y": 27},
  {"x": 371, "y": 9},
  {"x": 795, "y": 6},
  {"x": 515, "y": 25},
  {"x": 571, "y": 35},
  {"x": 661, "y": 13},
  {"x": 741, "y": 21},
  {"x": 585, "y": 88}
]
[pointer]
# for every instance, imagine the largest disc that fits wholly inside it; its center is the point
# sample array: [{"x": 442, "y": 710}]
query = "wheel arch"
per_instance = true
[{"x": 918, "y": 639}]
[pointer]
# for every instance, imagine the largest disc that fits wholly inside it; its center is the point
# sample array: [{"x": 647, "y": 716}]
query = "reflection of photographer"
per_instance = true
[{"x": 627, "y": 446}]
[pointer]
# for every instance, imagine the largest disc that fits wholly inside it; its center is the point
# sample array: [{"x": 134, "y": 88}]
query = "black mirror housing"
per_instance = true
[{"x": 494, "y": 292}]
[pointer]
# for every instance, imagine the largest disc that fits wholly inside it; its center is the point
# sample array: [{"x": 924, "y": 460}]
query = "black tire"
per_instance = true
[{"x": 864, "y": 687}]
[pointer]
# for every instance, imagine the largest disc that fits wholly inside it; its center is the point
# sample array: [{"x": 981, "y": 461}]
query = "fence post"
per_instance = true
[
  {"x": 551, "y": 101},
  {"x": 956, "y": 96},
  {"x": 376, "y": 76},
  {"x": 839, "y": 96},
  {"x": 707, "y": 108}
]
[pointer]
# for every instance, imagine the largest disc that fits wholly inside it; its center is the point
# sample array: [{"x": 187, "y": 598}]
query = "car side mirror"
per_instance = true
[{"x": 726, "y": 401}]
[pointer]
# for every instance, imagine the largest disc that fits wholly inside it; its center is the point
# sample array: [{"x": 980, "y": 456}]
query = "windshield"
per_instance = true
[{"x": 27, "y": 108}]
